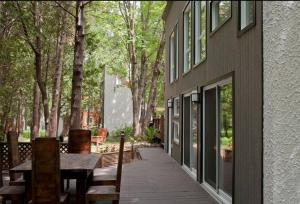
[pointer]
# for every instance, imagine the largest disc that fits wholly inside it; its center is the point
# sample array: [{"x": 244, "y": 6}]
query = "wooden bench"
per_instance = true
[{"x": 100, "y": 138}]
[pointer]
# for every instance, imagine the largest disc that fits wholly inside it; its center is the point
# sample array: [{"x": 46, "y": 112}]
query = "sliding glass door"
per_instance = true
[
  {"x": 170, "y": 133},
  {"x": 210, "y": 142},
  {"x": 218, "y": 137},
  {"x": 190, "y": 135}
]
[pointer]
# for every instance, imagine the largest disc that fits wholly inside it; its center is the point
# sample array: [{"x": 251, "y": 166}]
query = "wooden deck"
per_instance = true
[
  {"x": 159, "y": 179},
  {"x": 156, "y": 179}
]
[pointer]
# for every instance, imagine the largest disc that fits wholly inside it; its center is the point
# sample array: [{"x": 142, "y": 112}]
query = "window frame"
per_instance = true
[
  {"x": 176, "y": 114},
  {"x": 187, "y": 9},
  {"x": 195, "y": 22},
  {"x": 249, "y": 26},
  {"x": 171, "y": 60},
  {"x": 176, "y": 55},
  {"x": 176, "y": 139},
  {"x": 217, "y": 192},
  {"x": 210, "y": 18}
]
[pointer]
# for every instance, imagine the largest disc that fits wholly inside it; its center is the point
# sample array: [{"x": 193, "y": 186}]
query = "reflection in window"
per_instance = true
[
  {"x": 221, "y": 11},
  {"x": 176, "y": 131},
  {"x": 176, "y": 106},
  {"x": 226, "y": 136},
  {"x": 200, "y": 31},
  {"x": 194, "y": 137},
  {"x": 246, "y": 13},
  {"x": 187, "y": 38}
]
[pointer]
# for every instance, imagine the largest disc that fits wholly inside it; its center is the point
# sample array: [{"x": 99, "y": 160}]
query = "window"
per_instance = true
[
  {"x": 190, "y": 135},
  {"x": 176, "y": 107},
  {"x": 200, "y": 31},
  {"x": 187, "y": 38},
  {"x": 174, "y": 55},
  {"x": 246, "y": 14},
  {"x": 175, "y": 120},
  {"x": 220, "y": 13},
  {"x": 176, "y": 131}
]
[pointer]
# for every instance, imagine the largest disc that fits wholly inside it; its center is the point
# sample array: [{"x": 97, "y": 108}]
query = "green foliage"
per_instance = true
[
  {"x": 26, "y": 134},
  {"x": 128, "y": 131},
  {"x": 226, "y": 142},
  {"x": 150, "y": 133},
  {"x": 94, "y": 131}
]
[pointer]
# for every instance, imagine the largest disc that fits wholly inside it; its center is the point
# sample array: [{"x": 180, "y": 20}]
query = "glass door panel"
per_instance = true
[
  {"x": 225, "y": 138},
  {"x": 210, "y": 142},
  {"x": 170, "y": 131},
  {"x": 187, "y": 130},
  {"x": 194, "y": 138}
]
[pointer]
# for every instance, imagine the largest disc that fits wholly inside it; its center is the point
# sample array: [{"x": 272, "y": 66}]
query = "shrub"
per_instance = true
[
  {"x": 226, "y": 141},
  {"x": 128, "y": 131},
  {"x": 94, "y": 131},
  {"x": 150, "y": 134},
  {"x": 26, "y": 134}
]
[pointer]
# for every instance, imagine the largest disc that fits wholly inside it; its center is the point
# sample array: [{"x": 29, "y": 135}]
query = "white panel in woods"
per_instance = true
[
  {"x": 117, "y": 103},
  {"x": 281, "y": 34}
]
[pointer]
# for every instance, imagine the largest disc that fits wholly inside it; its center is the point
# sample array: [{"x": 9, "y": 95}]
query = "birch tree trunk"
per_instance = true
[
  {"x": 52, "y": 130},
  {"x": 78, "y": 66}
]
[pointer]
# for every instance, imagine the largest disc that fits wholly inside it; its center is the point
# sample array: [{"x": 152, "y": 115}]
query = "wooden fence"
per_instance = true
[{"x": 24, "y": 152}]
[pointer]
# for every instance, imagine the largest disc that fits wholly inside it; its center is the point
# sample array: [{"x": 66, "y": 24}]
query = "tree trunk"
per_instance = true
[
  {"x": 52, "y": 130},
  {"x": 38, "y": 64},
  {"x": 78, "y": 67},
  {"x": 35, "y": 123},
  {"x": 154, "y": 80}
]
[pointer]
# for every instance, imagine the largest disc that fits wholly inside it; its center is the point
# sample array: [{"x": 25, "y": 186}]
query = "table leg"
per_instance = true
[
  {"x": 28, "y": 190},
  {"x": 80, "y": 190}
]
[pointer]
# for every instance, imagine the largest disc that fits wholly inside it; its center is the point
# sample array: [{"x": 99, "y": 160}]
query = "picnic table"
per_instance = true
[{"x": 72, "y": 166}]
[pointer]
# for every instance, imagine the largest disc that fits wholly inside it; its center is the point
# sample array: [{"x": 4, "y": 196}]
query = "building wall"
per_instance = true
[
  {"x": 117, "y": 103},
  {"x": 228, "y": 55},
  {"x": 281, "y": 27}
]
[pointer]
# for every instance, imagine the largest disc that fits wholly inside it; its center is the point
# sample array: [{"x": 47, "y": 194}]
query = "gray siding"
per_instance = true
[{"x": 240, "y": 56}]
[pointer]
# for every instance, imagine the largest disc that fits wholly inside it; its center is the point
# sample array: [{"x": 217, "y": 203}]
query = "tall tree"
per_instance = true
[
  {"x": 36, "y": 48},
  {"x": 56, "y": 91},
  {"x": 78, "y": 66},
  {"x": 142, "y": 112}
]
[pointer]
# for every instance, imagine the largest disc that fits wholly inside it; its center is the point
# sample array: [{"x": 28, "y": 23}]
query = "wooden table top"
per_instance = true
[{"x": 68, "y": 162}]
